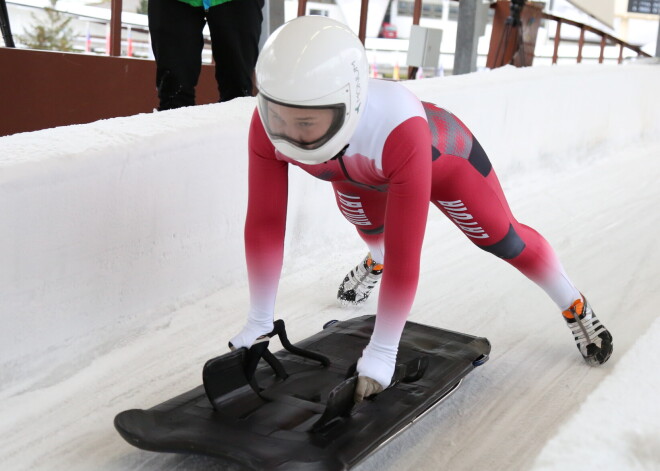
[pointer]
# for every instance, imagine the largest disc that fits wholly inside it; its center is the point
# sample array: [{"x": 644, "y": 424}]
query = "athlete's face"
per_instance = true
[{"x": 302, "y": 126}]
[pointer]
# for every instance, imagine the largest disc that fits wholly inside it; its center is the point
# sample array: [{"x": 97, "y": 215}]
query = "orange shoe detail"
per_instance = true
[
  {"x": 577, "y": 307},
  {"x": 370, "y": 264}
]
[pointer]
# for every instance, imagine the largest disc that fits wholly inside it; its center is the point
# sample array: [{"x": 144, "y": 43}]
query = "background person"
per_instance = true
[{"x": 176, "y": 29}]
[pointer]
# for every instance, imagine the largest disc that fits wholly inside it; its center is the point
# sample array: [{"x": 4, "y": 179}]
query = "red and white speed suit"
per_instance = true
[{"x": 403, "y": 154}]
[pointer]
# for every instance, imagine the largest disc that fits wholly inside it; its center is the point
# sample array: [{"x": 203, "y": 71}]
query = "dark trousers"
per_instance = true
[{"x": 177, "y": 42}]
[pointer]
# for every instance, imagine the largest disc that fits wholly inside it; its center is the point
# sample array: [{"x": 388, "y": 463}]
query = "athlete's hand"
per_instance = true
[
  {"x": 375, "y": 370},
  {"x": 366, "y": 387},
  {"x": 250, "y": 334}
]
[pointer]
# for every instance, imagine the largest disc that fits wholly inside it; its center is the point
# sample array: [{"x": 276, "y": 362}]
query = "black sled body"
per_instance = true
[{"x": 306, "y": 421}]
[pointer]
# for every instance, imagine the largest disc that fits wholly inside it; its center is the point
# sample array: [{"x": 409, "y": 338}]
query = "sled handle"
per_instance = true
[
  {"x": 341, "y": 399},
  {"x": 280, "y": 330},
  {"x": 260, "y": 350}
]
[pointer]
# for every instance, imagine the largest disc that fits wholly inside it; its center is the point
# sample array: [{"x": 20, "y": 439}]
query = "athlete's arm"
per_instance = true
[
  {"x": 407, "y": 165},
  {"x": 264, "y": 231}
]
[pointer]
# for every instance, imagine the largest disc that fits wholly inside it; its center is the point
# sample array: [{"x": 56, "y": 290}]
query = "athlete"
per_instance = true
[{"x": 387, "y": 155}]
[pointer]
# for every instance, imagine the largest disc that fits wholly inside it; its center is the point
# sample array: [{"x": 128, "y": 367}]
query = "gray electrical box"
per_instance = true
[{"x": 424, "y": 47}]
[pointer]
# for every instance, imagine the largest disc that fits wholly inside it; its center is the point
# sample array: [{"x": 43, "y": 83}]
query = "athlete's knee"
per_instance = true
[
  {"x": 509, "y": 247},
  {"x": 372, "y": 230}
]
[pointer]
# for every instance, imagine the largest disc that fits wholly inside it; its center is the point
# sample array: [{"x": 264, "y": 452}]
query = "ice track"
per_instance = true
[{"x": 600, "y": 212}]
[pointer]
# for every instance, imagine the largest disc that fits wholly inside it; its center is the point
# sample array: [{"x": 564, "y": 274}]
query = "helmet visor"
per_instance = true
[{"x": 307, "y": 127}]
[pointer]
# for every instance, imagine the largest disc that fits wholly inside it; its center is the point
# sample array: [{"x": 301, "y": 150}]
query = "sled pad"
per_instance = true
[{"x": 295, "y": 410}]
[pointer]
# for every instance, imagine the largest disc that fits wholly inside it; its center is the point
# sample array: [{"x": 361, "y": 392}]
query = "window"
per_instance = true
[{"x": 429, "y": 10}]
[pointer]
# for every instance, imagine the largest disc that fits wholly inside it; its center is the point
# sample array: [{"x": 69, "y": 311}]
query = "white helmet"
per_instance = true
[{"x": 312, "y": 78}]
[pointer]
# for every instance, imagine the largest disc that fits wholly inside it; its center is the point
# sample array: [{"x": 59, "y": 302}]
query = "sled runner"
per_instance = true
[{"x": 295, "y": 409}]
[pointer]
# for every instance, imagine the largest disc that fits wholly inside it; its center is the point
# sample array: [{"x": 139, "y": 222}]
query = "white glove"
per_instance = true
[
  {"x": 375, "y": 369},
  {"x": 251, "y": 332}
]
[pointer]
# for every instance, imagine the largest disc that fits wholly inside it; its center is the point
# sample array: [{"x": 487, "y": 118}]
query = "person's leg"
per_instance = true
[
  {"x": 235, "y": 30},
  {"x": 176, "y": 39},
  {"x": 365, "y": 209},
  {"x": 466, "y": 189},
  {"x": 468, "y": 192}
]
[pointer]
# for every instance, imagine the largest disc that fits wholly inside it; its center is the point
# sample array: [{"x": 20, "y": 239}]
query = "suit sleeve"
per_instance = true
[
  {"x": 265, "y": 222},
  {"x": 407, "y": 164}
]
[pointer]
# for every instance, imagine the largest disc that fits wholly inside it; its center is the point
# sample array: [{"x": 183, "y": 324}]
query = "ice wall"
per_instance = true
[
  {"x": 622, "y": 434},
  {"x": 107, "y": 225}
]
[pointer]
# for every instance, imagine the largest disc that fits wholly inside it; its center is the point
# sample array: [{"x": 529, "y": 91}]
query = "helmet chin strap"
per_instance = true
[{"x": 339, "y": 154}]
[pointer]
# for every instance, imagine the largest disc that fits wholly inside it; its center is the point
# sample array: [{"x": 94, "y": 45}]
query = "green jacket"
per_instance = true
[{"x": 204, "y": 3}]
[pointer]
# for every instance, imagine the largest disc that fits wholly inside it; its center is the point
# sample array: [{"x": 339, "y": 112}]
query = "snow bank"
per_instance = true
[
  {"x": 109, "y": 224},
  {"x": 596, "y": 435},
  {"x": 549, "y": 115}
]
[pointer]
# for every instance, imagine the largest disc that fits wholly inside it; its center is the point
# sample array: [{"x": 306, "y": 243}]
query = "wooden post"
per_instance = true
[
  {"x": 417, "y": 14},
  {"x": 115, "y": 28},
  {"x": 363, "y": 20},
  {"x": 580, "y": 44},
  {"x": 620, "y": 52},
  {"x": 302, "y": 7},
  {"x": 555, "y": 54},
  {"x": 602, "y": 49}
]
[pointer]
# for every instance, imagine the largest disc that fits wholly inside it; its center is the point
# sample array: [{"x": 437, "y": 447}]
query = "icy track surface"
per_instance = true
[
  {"x": 505, "y": 411},
  {"x": 534, "y": 406}
]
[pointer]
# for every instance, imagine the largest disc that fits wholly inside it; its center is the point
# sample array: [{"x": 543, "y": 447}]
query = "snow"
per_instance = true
[
  {"x": 635, "y": 443},
  {"x": 121, "y": 263}
]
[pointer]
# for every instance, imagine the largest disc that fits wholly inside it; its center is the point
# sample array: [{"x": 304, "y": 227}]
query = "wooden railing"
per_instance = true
[
  {"x": 604, "y": 38},
  {"x": 364, "y": 7},
  {"x": 115, "y": 30}
]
